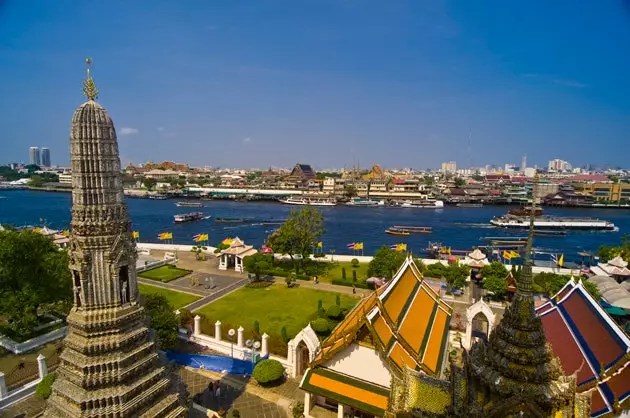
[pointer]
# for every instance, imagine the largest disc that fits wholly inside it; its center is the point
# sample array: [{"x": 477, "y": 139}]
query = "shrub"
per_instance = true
[
  {"x": 334, "y": 312},
  {"x": 44, "y": 388},
  {"x": 283, "y": 335},
  {"x": 338, "y": 300},
  {"x": 354, "y": 262},
  {"x": 267, "y": 371},
  {"x": 320, "y": 326},
  {"x": 354, "y": 275},
  {"x": 288, "y": 281},
  {"x": 259, "y": 284},
  {"x": 320, "y": 305},
  {"x": 256, "y": 327},
  {"x": 319, "y": 255},
  {"x": 298, "y": 410},
  {"x": 357, "y": 284},
  {"x": 343, "y": 273}
]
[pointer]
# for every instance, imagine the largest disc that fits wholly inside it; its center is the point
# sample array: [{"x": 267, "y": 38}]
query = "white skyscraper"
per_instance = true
[{"x": 33, "y": 154}]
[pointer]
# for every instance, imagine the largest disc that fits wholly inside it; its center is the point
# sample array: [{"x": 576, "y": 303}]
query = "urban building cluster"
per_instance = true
[{"x": 39, "y": 156}]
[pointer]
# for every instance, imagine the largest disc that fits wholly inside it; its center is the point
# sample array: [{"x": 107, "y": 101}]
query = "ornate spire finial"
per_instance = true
[
  {"x": 525, "y": 283},
  {"x": 89, "y": 88}
]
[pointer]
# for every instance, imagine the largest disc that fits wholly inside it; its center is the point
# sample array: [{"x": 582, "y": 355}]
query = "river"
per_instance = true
[{"x": 459, "y": 228}]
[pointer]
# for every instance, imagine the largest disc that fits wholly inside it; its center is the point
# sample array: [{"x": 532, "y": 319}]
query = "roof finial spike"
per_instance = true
[
  {"x": 525, "y": 282},
  {"x": 89, "y": 88}
]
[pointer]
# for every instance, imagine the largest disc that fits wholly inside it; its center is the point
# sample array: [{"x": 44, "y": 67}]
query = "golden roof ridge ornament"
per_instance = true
[{"x": 89, "y": 88}]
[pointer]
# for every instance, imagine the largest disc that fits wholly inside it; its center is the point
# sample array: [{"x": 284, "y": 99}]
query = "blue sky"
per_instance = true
[{"x": 328, "y": 82}]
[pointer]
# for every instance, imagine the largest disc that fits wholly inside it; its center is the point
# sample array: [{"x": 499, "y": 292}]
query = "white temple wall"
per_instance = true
[{"x": 363, "y": 363}]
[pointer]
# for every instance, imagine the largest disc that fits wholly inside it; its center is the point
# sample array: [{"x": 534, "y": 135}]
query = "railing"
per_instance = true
[{"x": 19, "y": 348}]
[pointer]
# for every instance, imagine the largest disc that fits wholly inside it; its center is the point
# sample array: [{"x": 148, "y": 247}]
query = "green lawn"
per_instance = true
[
  {"x": 176, "y": 299},
  {"x": 165, "y": 273},
  {"x": 273, "y": 307}
]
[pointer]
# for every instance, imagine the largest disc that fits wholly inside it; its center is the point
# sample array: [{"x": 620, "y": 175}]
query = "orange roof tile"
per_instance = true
[
  {"x": 435, "y": 345},
  {"x": 396, "y": 299},
  {"x": 401, "y": 357},
  {"x": 417, "y": 320}
]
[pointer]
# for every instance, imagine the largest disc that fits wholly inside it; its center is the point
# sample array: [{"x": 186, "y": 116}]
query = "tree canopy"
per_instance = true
[
  {"x": 607, "y": 252},
  {"x": 455, "y": 274},
  {"x": 34, "y": 277},
  {"x": 551, "y": 283},
  {"x": 299, "y": 234},
  {"x": 385, "y": 262},
  {"x": 494, "y": 275},
  {"x": 258, "y": 264},
  {"x": 163, "y": 320}
]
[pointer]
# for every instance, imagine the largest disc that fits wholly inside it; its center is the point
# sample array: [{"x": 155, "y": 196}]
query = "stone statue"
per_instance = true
[
  {"x": 124, "y": 292},
  {"x": 77, "y": 296}
]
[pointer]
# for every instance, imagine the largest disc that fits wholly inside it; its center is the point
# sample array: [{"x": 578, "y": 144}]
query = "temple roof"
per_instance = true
[
  {"x": 615, "y": 267},
  {"x": 407, "y": 318},
  {"x": 585, "y": 338},
  {"x": 612, "y": 292}
]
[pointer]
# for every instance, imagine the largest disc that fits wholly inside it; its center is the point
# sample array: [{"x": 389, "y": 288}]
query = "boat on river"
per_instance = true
[
  {"x": 309, "y": 201},
  {"x": 421, "y": 204},
  {"x": 469, "y": 205},
  {"x": 397, "y": 232},
  {"x": 550, "y": 222},
  {"x": 189, "y": 217},
  {"x": 229, "y": 220},
  {"x": 365, "y": 202},
  {"x": 186, "y": 204},
  {"x": 413, "y": 229},
  {"x": 158, "y": 197}
]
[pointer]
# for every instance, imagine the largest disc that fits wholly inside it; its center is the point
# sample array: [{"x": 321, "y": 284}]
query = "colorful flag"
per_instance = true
[
  {"x": 358, "y": 246},
  {"x": 394, "y": 247},
  {"x": 227, "y": 241},
  {"x": 351, "y": 245},
  {"x": 507, "y": 254},
  {"x": 165, "y": 235},
  {"x": 135, "y": 234},
  {"x": 561, "y": 260},
  {"x": 196, "y": 237},
  {"x": 402, "y": 247},
  {"x": 265, "y": 249},
  {"x": 554, "y": 258},
  {"x": 66, "y": 233},
  {"x": 320, "y": 244},
  {"x": 514, "y": 254}
]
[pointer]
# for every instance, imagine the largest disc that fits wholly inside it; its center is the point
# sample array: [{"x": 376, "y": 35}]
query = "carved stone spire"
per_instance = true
[
  {"x": 89, "y": 88},
  {"x": 110, "y": 364}
]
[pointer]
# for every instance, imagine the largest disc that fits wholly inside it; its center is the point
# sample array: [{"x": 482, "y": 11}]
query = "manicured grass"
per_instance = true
[
  {"x": 334, "y": 271},
  {"x": 165, "y": 273},
  {"x": 273, "y": 307},
  {"x": 176, "y": 299}
]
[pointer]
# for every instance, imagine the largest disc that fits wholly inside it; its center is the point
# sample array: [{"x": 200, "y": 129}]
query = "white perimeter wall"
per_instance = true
[{"x": 363, "y": 363}]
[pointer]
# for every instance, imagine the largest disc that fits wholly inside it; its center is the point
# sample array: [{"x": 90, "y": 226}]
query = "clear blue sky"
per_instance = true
[{"x": 327, "y": 82}]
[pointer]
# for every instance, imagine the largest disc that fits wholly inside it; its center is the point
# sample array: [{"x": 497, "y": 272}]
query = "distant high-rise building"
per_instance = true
[
  {"x": 558, "y": 165},
  {"x": 524, "y": 163},
  {"x": 33, "y": 156},
  {"x": 449, "y": 167},
  {"x": 45, "y": 157}
]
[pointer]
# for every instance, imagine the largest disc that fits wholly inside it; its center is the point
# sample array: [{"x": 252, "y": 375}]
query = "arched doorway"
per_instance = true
[
  {"x": 480, "y": 327},
  {"x": 303, "y": 358}
]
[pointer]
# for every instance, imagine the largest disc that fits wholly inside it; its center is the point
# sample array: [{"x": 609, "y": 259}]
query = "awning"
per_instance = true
[{"x": 359, "y": 394}]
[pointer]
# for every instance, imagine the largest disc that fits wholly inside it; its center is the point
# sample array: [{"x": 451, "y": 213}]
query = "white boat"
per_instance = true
[
  {"x": 312, "y": 201},
  {"x": 189, "y": 217},
  {"x": 423, "y": 204},
  {"x": 365, "y": 202},
  {"x": 550, "y": 222},
  {"x": 188, "y": 204}
]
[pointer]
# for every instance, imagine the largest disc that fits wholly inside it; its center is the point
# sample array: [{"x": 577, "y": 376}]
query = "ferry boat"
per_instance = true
[
  {"x": 158, "y": 197},
  {"x": 365, "y": 202},
  {"x": 550, "y": 222},
  {"x": 413, "y": 229},
  {"x": 526, "y": 211},
  {"x": 469, "y": 205},
  {"x": 229, "y": 220},
  {"x": 186, "y": 204},
  {"x": 423, "y": 204},
  {"x": 189, "y": 217},
  {"x": 397, "y": 232},
  {"x": 312, "y": 201}
]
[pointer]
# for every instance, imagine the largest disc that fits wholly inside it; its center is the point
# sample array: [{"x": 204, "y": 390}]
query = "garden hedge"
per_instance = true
[
  {"x": 320, "y": 326},
  {"x": 267, "y": 371},
  {"x": 44, "y": 388}
]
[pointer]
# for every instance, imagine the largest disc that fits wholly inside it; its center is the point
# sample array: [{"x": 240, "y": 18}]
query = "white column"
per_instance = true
[
  {"x": 217, "y": 330},
  {"x": 240, "y": 341},
  {"x": 41, "y": 366},
  {"x": 3, "y": 387},
  {"x": 291, "y": 357},
  {"x": 264, "y": 348},
  {"x": 339, "y": 410},
  {"x": 197, "y": 329},
  {"x": 308, "y": 399}
]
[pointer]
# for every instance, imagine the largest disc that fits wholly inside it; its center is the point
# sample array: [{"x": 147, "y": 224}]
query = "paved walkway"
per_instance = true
[{"x": 216, "y": 295}]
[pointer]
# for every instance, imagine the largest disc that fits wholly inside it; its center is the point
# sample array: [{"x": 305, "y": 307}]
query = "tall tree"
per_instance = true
[
  {"x": 385, "y": 262},
  {"x": 34, "y": 277},
  {"x": 258, "y": 264},
  {"x": 298, "y": 235},
  {"x": 163, "y": 320}
]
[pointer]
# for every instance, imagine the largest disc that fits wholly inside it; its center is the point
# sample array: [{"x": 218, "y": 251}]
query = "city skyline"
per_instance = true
[{"x": 332, "y": 84}]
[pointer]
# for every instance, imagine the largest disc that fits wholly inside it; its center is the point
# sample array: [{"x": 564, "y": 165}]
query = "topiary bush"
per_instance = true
[
  {"x": 284, "y": 335},
  {"x": 268, "y": 371},
  {"x": 320, "y": 326},
  {"x": 256, "y": 327},
  {"x": 338, "y": 300},
  {"x": 343, "y": 273},
  {"x": 354, "y": 262},
  {"x": 298, "y": 410},
  {"x": 354, "y": 275},
  {"x": 44, "y": 388},
  {"x": 334, "y": 312}
]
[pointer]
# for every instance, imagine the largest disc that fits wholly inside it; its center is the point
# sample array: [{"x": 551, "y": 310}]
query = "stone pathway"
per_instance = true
[
  {"x": 216, "y": 295},
  {"x": 28, "y": 408}
]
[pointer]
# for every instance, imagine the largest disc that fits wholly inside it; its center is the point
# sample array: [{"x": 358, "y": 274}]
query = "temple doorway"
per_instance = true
[
  {"x": 480, "y": 327},
  {"x": 303, "y": 358}
]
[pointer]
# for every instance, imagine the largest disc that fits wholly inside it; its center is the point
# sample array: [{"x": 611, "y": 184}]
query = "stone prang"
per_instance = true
[{"x": 110, "y": 365}]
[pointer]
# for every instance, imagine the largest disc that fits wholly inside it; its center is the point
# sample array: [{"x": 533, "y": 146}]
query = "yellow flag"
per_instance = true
[
  {"x": 561, "y": 260},
  {"x": 514, "y": 254},
  {"x": 135, "y": 234},
  {"x": 402, "y": 247},
  {"x": 66, "y": 233},
  {"x": 358, "y": 246},
  {"x": 507, "y": 255},
  {"x": 227, "y": 241},
  {"x": 203, "y": 237},
  {"x": 169, "y": 235},
  {"x": 320, "y": 244}
]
